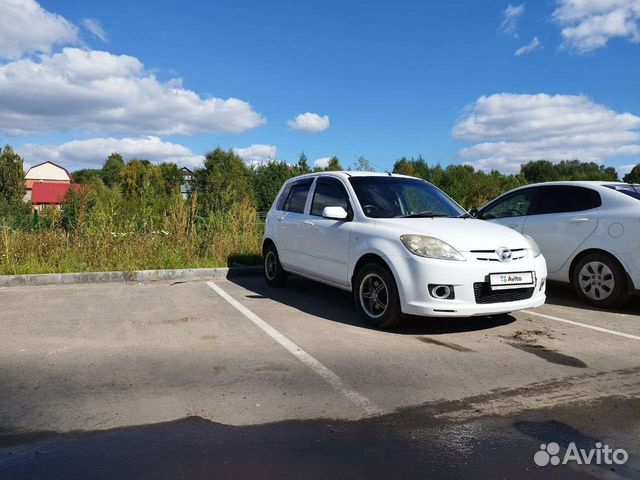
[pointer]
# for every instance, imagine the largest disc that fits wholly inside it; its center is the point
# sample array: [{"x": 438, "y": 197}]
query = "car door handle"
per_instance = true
[
  {"x": 279, "y": 218},
  {"x": 579, "y": 220},
  {"x": 308, "y": 223},
  {"x": 515, "y": 225}
]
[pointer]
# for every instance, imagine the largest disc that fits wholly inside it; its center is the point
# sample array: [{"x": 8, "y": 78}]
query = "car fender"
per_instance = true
[{"x": 388, "y": 249}]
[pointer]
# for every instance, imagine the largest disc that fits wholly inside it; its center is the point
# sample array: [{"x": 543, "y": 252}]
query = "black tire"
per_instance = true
[
  {"x": 369, "y": 278},
  {"x": 599, "y": 280},
  {"x": 274, "y": 274}
]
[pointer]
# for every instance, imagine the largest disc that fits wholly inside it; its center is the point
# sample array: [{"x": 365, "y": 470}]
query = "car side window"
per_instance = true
[
  {"x": 514, "y": 205},
  {"x": 283, "y": 197},
  {"x": 565, "y": 198},
  {"x": 297, "y": 197},
  {"x": 329, "y": 192}
]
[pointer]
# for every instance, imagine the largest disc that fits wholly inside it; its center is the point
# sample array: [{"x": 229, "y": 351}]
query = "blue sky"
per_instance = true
[{"x": 440, "y": 79}]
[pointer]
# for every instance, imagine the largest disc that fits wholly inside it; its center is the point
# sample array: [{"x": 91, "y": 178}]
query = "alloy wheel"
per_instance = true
[
  {"x": 270, "y": 265},
  {"x": 374, "y": 295}
]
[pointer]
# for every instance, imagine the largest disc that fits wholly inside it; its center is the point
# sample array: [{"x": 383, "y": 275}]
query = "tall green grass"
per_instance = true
[{"x": 105, "y": 233}]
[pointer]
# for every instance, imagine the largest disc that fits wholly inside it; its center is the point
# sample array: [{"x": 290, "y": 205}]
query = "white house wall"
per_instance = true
[{"x": 47, "y": 171}]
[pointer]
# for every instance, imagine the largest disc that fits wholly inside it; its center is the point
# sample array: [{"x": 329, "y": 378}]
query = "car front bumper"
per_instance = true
[{"x": 414, "y": 274}]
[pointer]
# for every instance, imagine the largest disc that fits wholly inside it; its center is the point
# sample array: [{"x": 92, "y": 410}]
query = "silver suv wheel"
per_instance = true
[{"x": 596, "y": 280}]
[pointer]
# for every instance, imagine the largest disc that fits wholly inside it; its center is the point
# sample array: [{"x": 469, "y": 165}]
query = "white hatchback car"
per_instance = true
[
  {"x": 401, "y": 246},
  {"x": 589, "y": 233}
]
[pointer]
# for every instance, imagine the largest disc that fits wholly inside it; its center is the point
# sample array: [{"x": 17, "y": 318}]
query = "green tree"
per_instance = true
[
  {"x": 303, "y": 164},
  {"x": 111, "y": 169},
  {"x": 267, "y": 181},
  {"x": 469, "y": 187},
  {"x": 171, "y": 177},
  {"x": 87, "y": 176},
  {"x": 418, "y": 167},
  {"x": 225, "y": 180},
  {"x": 538, "y": 171},
  {"x": 333, "y": 165},
  {"x": 633, "y": 176},
  {"x": 545, "y": 171},
  {"x": 362, "y": 165},
  {"x": 139, "y": 178},
  {"x": 11, "y": 177},
  {"x": 577, "y": 170},
  {"x": 77, "y": 206}
]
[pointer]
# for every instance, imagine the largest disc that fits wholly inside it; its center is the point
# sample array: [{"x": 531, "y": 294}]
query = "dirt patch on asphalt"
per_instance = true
[
  {"x": 528, "y": 341},
  {"x": 528, "y": 335},
  {"x": 178, "y": 321}
]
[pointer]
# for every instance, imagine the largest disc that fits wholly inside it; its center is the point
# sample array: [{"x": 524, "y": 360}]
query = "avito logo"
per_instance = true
[{"x": 549, "y": 454}]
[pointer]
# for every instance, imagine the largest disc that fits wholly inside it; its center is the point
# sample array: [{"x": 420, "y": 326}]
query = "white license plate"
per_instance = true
[{"x": 501, "y": 281}]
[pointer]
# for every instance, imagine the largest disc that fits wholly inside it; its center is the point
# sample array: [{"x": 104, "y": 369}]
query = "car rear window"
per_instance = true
[
  {"x": 633, "y": 190},
  {"x": 283, "y": 197},
  {"x": 565, "y": 198}
]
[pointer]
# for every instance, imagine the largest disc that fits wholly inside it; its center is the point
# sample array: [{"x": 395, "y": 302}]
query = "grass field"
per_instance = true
[{"x": 228, "y": 238}]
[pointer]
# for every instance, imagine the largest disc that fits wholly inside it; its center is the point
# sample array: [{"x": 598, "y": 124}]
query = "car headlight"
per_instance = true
[
  {"x": 535, "y": 249},
  {"x": 430, "y": 247}
]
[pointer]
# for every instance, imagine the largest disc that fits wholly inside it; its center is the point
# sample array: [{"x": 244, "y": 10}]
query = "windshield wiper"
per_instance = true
[{"x": 427, "y": 214}]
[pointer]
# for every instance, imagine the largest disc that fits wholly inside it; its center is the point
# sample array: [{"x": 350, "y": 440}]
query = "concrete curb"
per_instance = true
[{"x": 135, "y": 276}]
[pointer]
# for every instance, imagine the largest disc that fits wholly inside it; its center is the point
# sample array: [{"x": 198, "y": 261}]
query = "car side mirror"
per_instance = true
[
  {"x": 474, "y": 212},
  {"x": 336, "y": 213}
]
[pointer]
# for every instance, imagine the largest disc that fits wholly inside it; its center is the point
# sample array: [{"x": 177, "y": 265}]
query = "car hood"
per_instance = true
[{"x": 463, "y": 234}]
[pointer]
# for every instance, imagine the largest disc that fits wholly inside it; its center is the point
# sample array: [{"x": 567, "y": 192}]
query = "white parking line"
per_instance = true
[
  {"x": 327, "y": 375},
  {"x": 571, "y": 309},
  {"x": 584, "y": 325}
]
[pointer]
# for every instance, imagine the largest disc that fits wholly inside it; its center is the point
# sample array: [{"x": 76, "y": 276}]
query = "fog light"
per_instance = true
[
  {"x": 542, "y": 283},
  {"x": 442, "y": 292}
]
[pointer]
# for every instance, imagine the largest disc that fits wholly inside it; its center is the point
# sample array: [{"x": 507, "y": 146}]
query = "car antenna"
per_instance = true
[{"x": 380, "y": 168}]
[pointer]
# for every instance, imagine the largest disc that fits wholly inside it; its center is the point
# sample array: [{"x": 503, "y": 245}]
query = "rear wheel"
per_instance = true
[
  {"x": 274, "y": 274},
  {"x": 376, "y": 296},
  {"x": 599, "y": 280}
]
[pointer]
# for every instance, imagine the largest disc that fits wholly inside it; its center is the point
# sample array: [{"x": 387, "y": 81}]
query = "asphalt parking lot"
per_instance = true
[{"x": 201, "y": 380}]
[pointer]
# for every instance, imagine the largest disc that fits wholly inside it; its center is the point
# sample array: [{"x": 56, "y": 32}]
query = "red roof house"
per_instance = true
[{"x": 44, "y": 193}]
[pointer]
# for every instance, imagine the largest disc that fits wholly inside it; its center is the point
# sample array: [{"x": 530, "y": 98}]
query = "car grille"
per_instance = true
[
  {"x": 492, "y": 256},
  {"x": 484, "y": 294}
]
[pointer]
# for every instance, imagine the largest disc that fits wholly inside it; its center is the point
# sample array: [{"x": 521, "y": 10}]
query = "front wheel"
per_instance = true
[
  {"x": 274, "y": 274},
  {"x": 600, "y": 280},
  {"x": 376, "y": 296}
]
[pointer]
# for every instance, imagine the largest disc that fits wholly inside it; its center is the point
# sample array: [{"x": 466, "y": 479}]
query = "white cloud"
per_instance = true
[
  {"x": 94, "y": 27},
  {"x": 309, "y": 122},
  {"x": 25, "y": 27},
  {"x": 92, "y": 152},
  {"x": 322, "y": 162},
  {"x": 532, "y": 46},
  {"x": 510, "y": 18},
  {"x": 99, "y": 91},
  {"x": 624, "y": 169},
  {"x": 257, "y": 154},
  {"x": 587, "y": 25},
  {"x": 511, "y": 129}
]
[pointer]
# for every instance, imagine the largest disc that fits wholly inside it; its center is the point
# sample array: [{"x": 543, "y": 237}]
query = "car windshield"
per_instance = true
[
  {"x": 399, "y": 197},
  {"x": 631, "y": 189}
]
